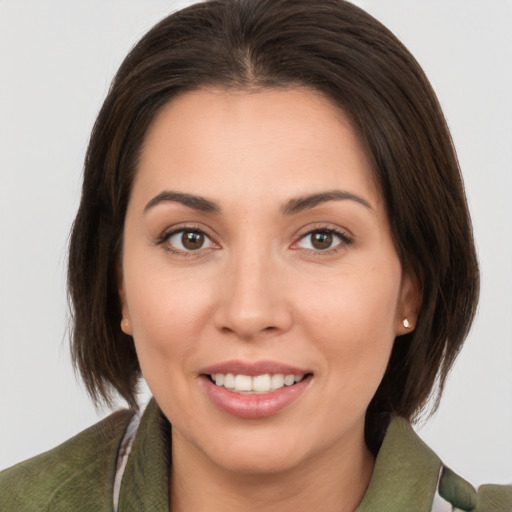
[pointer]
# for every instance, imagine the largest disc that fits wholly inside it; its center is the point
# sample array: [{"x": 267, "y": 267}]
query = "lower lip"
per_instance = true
[{"x": 254, "y": 406}]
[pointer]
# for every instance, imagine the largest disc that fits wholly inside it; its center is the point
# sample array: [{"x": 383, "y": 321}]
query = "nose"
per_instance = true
[{"x": 252, "y": 299}]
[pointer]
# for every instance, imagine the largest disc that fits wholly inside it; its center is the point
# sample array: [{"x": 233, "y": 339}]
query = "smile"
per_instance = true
[
  {"x": 254, "y": 390},
  {"x": 257, "y": 384}
]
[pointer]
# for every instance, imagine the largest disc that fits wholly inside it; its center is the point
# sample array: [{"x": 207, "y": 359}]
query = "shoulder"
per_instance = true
[
  {"x": 408, "y": 476},
  {"x": 61, "y": 479},
  {"x": 461, "y": 495}
]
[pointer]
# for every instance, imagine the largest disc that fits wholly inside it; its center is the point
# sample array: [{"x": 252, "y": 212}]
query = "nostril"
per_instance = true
[{"x": 249, "y": 319}]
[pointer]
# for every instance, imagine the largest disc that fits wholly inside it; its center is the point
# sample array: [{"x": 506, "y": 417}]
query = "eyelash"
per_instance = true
[
  {"x": 345, "y": 240},
  {"x": 163, "y": 240},
  {"x": 166, "y": 236}
]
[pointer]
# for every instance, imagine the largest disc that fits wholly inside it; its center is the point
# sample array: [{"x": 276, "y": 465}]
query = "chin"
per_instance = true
[
  {"x": 254, "y": 452},
  {"x": 258, "y": 462}
]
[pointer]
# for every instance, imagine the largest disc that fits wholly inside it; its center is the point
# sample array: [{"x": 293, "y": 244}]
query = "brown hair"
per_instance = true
[{"x": 341, "y": 51}]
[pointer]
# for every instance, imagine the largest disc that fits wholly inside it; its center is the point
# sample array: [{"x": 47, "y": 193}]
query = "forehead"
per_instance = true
[{"x": 280, "y": 142}]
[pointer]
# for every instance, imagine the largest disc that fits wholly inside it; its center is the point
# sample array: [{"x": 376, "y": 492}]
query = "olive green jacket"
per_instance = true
[{"x": 79, "y": 474}]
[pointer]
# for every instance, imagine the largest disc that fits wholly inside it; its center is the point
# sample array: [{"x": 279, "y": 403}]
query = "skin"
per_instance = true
[{"x": 258, "y": 289}]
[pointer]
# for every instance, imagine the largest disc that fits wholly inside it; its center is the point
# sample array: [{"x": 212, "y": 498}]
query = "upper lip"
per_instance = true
[{"x": 253, "y": 368}]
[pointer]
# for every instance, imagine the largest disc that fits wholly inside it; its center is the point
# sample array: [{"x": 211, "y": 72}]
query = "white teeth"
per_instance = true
[
  {"x": 258, "y": 384},
  {"x": 261, "y": 383},
  {"x": 289, "y": 380},
  {"x": 243, "y": 383},
  {"x": 229, "y": 381},
  {"x": 277, "y": 381}
]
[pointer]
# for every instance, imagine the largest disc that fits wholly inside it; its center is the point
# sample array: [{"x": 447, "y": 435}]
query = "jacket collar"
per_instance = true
[
  {"x": 145, "y": 484},
  {"x": 404, "y": 477},
  {"x": 405, "y": 474}
]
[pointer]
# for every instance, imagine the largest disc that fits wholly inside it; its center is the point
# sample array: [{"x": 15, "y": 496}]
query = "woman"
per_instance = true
[{"x": 272, "y": 211}]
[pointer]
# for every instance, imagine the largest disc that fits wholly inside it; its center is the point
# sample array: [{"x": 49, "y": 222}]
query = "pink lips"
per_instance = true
[
  {"x": 253, "y": 406},
  {"x": 252, "y": 369}
]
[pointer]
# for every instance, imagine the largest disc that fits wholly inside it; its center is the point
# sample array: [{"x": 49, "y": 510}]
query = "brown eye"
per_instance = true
[
  {"x": 321, "y": 240},
  {"x": 187, "y": 240},
  {"x": 192, "y": 240}
]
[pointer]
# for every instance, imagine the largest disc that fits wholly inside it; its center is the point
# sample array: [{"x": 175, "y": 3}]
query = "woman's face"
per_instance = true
[{"x": 257, "y": 253}]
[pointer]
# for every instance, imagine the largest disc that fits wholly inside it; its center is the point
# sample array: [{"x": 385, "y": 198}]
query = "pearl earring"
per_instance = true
[
  {"x": 406, "y": 323},
  {"x": 125, "y": 325}
]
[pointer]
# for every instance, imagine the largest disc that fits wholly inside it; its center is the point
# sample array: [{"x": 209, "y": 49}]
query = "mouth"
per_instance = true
[
  {"x": 257, "y": 384},
  {"x": 254, "y": 390}
]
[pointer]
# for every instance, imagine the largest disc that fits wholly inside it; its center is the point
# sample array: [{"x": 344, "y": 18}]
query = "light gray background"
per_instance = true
[{"x": 56, "y": 61}]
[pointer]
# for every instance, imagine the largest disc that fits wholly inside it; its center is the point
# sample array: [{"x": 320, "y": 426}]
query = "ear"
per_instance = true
[
  {"x": 126, "y": 324},
  {"x": 409, "y": 304}
]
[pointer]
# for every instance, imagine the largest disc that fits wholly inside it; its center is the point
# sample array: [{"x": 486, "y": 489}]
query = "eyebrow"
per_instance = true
[
  {"x": 291, "y": 207},
  {"x": 300, "y": 204},
  {"x": 192, "y": 201}
]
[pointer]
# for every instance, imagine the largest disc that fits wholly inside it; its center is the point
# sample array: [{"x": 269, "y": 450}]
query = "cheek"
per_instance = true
[
  {"x": 167, "y": 312},
  {"x": 168, "y": 316},
  {"x": 352, "y": 320}
]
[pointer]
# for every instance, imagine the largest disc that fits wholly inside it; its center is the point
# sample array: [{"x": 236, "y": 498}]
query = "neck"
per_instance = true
[{"x": 332, "y": 482}]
